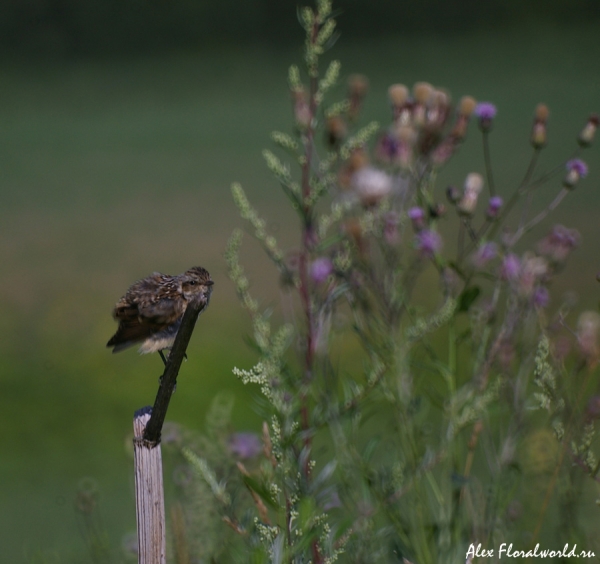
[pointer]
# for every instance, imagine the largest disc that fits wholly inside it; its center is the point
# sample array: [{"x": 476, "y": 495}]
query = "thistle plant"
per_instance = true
[{"x": 400, "y": 428}]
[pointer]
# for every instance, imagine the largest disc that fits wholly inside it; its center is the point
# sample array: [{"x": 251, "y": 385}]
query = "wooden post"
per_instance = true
[
  {"x": 149, "y": 495},
  {"x": 147, "y": 427}
]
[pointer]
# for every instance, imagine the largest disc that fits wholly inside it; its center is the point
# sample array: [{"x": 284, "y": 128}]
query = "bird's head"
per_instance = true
[{"x": 196, "y": 283}]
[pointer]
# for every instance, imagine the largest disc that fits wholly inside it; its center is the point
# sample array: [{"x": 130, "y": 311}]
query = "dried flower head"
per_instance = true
[
  {"x": 467, "y": 105},
  {"x": 586, "y": 137},
  {"x": 371, "y": 185},
  {"x": 422, "y": 92},
  {"x": 472, "y": 189},
  {"x": 538, "y": 130}
]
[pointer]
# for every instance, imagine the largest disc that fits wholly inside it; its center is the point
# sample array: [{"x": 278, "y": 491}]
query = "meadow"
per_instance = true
[{"x": 112, "y": 169}]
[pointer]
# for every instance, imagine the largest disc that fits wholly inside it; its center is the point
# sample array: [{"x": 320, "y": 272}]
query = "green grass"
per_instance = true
[{"x": 111, "y": 170}]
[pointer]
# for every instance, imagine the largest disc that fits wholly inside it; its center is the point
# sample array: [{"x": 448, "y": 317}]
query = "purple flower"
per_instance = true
[
  {"x": 484, "y": 254},
  {"x": 558, "y": 244},
  {"x": 576, "y": 169},
  {"x": 494, "y": 206},
  {"x": 511, "y": 266},
  {"x": 320, "y": 270},
  {"x": 244, "y": 445},
  {"x": 428, "y": 242},
  {"x": 485, "y": 111},
  {"x": 417, "y": 216},
  {"x": 541, "y": 297},
  {"x": 578, "y": 166}
]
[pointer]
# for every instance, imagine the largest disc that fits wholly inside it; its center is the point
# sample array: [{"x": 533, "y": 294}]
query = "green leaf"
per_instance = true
[
  {"x": 468, "y": 296},
  {"x": 261, "y": 491}
]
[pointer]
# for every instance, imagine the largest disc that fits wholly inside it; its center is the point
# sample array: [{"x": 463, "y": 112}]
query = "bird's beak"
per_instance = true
[{"x": 209, "y": 283}]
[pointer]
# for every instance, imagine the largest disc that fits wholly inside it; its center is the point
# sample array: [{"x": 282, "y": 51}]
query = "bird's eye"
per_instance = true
[{"x": 193, "y": 282}]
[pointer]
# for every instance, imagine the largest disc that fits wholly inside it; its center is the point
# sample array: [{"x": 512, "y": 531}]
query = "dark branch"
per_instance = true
[{"x": 169, "y": 377}]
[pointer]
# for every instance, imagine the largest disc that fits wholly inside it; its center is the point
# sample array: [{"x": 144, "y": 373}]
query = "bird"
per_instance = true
[{"x": 151, "y": 310}]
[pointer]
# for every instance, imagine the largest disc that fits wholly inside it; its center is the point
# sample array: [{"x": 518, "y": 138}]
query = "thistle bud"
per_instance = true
[
  {"x": 473, "y": 187},
  {"x": 494, "y": 206},
  {"x": 576, "y": 169},
  {"x": 586, "y": 137},
  {"x": 538, "y": 131},
  {"x": 485, "y": 112},
  {"x": 417, "y": 218}
]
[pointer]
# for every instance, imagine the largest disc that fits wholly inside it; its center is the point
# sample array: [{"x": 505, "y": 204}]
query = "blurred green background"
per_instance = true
[{"x": 122, "y": 126}]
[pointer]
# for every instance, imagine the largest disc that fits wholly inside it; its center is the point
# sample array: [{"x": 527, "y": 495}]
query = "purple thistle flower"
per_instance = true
[
  {"x": 321, "y": 269},
  {"x": 578, "y": 166},
  {"x": 541, "y": 297},
  {"x": 484, "y": 254},
  {"x": 428, "y": 242},
  {"x": 244, "y": 445},
  {"x": 494, "y": 206},
  {"x": 511, "y": 266},
  {"x": 485, "y": 111},
  {"x": 576, "y": 169},
  {"x": 417, "y": 216},
  {"x": 559, "y": 243}
]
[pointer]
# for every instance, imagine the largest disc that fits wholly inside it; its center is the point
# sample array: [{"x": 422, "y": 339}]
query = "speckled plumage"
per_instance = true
[{"x": 151, "y": 310}]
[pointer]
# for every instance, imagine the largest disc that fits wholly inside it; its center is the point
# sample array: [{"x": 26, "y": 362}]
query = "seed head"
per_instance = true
[
  {"x": 586, "y": 137},
  {"x": 473, "y": 186},
  {"x": 538, "y": 131}
]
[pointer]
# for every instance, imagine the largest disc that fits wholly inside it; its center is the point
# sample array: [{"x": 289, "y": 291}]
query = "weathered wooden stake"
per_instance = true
[
  {"x": 149, "y": 494},
  {"x": 147, "y": 427}
]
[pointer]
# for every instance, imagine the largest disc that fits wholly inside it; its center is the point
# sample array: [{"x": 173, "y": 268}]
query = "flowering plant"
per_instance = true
[{"x": 398, "y": 427}]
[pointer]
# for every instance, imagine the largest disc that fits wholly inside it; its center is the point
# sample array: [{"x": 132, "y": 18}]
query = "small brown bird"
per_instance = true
[{"x": 152, "y": 309}]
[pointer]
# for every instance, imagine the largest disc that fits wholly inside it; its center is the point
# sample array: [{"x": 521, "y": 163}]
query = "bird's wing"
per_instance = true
[{"x": 132, "y": 328}]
